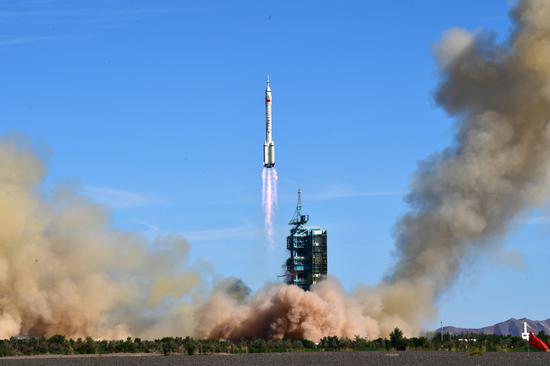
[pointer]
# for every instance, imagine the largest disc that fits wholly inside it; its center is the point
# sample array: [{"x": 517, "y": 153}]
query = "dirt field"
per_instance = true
[{"x": 285, "y": 359}]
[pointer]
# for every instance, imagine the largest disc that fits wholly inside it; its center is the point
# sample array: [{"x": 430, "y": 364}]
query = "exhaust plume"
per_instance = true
[
  {"x": 270, "y": 180},
  {"x": 460, "y": 199}
]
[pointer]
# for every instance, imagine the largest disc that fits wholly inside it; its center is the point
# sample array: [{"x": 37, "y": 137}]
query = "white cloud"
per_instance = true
[
  {"x": 119, "y": 198},
  {"x": 243, "y": 232},
  {"x": 232, "y": 233},
  {"x": 335, "y": 191},
  {"x": 19, "y": 41},
  {"x": 151, "y": 231}
]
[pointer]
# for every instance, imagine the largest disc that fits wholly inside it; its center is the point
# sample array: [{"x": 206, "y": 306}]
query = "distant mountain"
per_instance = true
[{"x": 509, "y": 327}]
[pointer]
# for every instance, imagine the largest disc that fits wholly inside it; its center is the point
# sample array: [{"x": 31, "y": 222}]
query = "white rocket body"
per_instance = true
[{"x": 269, "y": 145}]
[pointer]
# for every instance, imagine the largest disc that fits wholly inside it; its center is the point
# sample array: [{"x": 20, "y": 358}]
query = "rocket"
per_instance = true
[{"x": 269, "y": 145}]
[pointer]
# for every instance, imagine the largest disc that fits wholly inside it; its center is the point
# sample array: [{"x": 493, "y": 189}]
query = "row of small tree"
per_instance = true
[{"x": 59, "y": 344}]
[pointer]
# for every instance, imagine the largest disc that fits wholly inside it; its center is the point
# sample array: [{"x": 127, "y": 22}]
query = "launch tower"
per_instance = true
[{"x": 307, "y": 245}]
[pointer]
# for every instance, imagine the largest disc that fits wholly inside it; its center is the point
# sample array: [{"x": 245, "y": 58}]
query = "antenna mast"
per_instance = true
[{"x": 299, "y": 219}]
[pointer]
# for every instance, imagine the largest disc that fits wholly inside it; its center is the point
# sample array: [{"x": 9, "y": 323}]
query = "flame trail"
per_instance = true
[
  {"x": 269, "y": 209},
  {"x": 264, "y": 179},
  {"x": 269, "y": 200},
  {"x": 275, "y": 184}
]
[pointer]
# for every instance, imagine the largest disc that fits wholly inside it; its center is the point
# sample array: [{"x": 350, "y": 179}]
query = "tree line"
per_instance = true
[{"x": 59, "y": 344}]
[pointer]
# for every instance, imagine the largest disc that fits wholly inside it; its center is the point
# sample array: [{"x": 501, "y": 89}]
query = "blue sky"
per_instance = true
[{"x": 155, "y": 109}]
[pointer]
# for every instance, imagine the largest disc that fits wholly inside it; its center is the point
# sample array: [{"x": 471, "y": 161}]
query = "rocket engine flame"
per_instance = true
[{"x": 269, "y": 201}]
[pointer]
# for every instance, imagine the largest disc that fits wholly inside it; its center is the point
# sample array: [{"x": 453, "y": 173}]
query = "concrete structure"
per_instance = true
[
  {"x": 269, "y": 145},
  {"x": 307, "y": 263}
]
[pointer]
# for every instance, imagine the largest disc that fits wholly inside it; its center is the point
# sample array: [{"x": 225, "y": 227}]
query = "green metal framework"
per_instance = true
[{"x": 307, "y": 263}]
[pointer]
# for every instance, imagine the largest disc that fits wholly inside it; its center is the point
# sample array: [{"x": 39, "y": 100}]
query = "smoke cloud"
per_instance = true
[
  {"x": 466, "y": 196},
  {"x": 282, "y": 311},
  {"x": 460, "y": 199},
  {"x": 64, "y": 270}
]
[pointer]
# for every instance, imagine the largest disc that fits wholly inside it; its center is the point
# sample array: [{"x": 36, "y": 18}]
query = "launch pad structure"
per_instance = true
[{"x": 307, "y": 263}]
